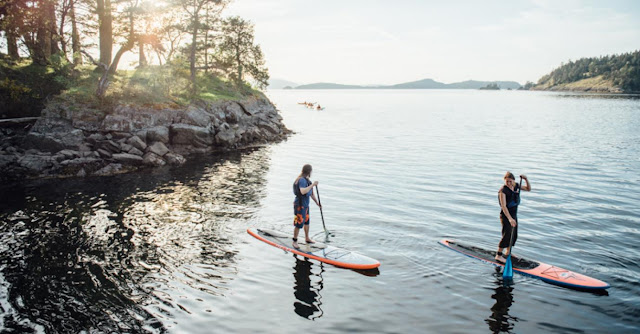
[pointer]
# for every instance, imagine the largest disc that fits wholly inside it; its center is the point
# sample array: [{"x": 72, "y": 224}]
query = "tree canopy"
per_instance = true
[
  {"x": 623, "y": 70},
  {"x": 189, "y": 34}
]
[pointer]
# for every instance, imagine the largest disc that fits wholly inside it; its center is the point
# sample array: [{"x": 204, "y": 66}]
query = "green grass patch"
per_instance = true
[
  {"x": 153, "y": 85},
  {"x": 25, "y": 87}
]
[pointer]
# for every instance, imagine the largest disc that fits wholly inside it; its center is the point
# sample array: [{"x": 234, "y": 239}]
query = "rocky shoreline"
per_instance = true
[{"x": 67, "y": 141}]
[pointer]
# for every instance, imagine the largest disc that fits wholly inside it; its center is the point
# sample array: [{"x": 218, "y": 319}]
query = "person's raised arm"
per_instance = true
[{"x": 527, "y": 186}]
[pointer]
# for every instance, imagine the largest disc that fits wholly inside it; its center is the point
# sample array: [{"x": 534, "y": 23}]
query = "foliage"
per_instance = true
[
  {"x": 158, "y": 86},
  {"x": 188, "y": 36},
  {"x": 527, "y": 86},
  {"x": 238, "y": 48},
  {"x": 490, "y": 86},
  {"x": 622, "y": 70},
  {"x": 25, "y": 86}
]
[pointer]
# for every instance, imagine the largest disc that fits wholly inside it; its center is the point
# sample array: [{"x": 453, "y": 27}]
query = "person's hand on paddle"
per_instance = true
[
  {"x": 315, "y": 183},
  {"x": 513, "y": 222}
]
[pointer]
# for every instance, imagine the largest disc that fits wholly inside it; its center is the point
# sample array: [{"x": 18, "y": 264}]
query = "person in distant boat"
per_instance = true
[
  {"x": 318, "y": 107},
  {"x": 509, "y": 198},
  {"x": 303, "y": 189}
]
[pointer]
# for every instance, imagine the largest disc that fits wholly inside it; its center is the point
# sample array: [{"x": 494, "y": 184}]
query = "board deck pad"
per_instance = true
[
  {"x": 548, "y": 273},
  {"x": 317, "y": 251}
]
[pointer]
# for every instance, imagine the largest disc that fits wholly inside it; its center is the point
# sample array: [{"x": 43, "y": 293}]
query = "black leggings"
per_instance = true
[{"x": 506, "y": 232}]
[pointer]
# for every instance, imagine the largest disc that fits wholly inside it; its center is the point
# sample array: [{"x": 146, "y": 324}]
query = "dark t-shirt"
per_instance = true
[
  {"x": 303, "y": 183},
  {"x": 512, "y": 200}
]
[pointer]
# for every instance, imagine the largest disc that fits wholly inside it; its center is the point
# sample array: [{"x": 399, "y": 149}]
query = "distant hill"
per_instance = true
[
  {"x": 280, "y": 83},
  {"x": 420, "y": 84},
  {"x": 615, "y": 73}
]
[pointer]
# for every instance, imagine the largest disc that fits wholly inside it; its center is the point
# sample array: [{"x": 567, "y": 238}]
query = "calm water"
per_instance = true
[{"x": 167, "y": 250}]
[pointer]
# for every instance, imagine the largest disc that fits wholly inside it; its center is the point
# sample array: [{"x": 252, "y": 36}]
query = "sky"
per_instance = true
[{"x": 389, "y": 42}]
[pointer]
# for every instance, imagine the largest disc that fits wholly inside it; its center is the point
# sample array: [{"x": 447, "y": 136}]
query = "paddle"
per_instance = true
[
  {"x": 507, "y": 273},
  {"x": 321, "y": 214}
]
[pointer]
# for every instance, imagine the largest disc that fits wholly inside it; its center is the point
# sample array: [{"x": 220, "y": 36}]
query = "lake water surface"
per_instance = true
[{"x": 167, "y": 250}]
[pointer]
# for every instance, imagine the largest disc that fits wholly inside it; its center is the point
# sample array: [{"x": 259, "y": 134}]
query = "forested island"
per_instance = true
[
  {"x": 194, "y": 86},
  {"x": 613, "y": 73}
]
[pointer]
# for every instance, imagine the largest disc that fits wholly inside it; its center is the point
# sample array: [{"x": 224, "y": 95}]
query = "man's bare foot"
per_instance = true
[
  {"x": 295, "y": 245},
  {"x": 500, "y": 259},
  {"x": 309, "y": 241}
]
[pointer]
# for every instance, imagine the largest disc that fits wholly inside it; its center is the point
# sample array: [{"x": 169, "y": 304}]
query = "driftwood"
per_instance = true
[{"x": 12, "y": 121}]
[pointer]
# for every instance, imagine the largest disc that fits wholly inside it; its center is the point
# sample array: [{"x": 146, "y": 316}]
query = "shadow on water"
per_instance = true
[
  {"x": 86, "y": 254},
  {"x": 500, "y": 321},
  {"x": 598, "y": 96},
  {"x": 307, "y": 289}
]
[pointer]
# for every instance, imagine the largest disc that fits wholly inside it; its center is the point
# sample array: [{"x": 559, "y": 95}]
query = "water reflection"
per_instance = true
[
  {"x": 307, "y": 289},
  {"x": 500, "y": 321},
  {"x": 106, "y": 254},
  {"x": 604, "y": 96}
]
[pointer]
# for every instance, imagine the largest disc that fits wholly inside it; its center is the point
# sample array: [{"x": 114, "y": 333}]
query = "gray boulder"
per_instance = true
[
  {"x": 196, "y": 116},
  {"x": 69, "y": 154},
  {"x": 35, "y": 163},
  {"x": 159, "y": 134},
  {"x": 135, "y": 151},
  {"x": 127, "y": 158},
  {"x": 174, "y": 159},
  {"x": 111, "y": 146},
  {"x": 158, "y": 148},
  {"x": 104, "y": 153},
  {"x": 226, "y": 137},
  {"x": 184, "y": 134},
  {"x": 109, "y": 169},
  {"x": 7, "y": 159},
  {"x": 136, "y": 142},
  {"x": 54, "y": 141},
  {"x": 153, "y": 159}
]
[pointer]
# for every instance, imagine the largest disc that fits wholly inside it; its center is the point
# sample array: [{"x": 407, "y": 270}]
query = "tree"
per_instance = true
[
  {"x": 195, "y": 10},
  {"x": 9, "y": 19},
  {"x": 238, "y": 48},
  {"x": 103, "y": 10}
]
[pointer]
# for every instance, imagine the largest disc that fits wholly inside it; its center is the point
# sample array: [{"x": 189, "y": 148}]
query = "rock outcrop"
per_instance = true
[{"x": 70, "y": 141}]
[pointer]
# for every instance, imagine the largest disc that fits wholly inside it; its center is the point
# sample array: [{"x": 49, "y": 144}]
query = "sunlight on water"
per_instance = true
[{"x": 167, "y": 250}]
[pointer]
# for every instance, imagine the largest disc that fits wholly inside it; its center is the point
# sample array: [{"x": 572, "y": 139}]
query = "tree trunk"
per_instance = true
[
  {"x": 39, "y": 48},
  {"x": 106, "y": 31},
  {"x": 239, "y": 62},
  {"x": 192, "y": 56},
  {"x": 12, "y": 45},
  {"x": 127, "y": 47},
  {"x": 52, "y": 28},
  {"x": 75, "y": 36},
  {"x": 131, "y": 42},
  {"x": 206, "y": 44},
  {"x": 142, "y": 60}
]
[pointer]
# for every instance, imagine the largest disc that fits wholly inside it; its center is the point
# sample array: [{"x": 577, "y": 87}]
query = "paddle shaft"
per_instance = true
[{"x": 321, "y": 214}]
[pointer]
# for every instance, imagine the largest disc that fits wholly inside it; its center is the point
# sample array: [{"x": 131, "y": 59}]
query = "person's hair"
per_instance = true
[
  {"x": 306, "y": 171},
  {"x": 509, "y": 175}
]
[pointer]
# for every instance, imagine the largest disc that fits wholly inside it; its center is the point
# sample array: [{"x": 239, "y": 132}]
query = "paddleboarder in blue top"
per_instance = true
[
  {"x": 509, "y": 198},
  {"x": 303, "y": 189}
]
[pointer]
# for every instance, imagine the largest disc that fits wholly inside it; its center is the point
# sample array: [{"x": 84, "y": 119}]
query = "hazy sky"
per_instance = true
[{"x": 388, "y": 42}]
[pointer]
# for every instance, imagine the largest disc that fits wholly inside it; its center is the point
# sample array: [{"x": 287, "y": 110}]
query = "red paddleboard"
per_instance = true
[
  {"x": 317, "y": 251},
  {"x": 546, "y": 272}
]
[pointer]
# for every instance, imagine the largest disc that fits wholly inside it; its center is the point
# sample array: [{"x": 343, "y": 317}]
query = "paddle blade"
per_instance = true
[{"x": 507, "y": 273}]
